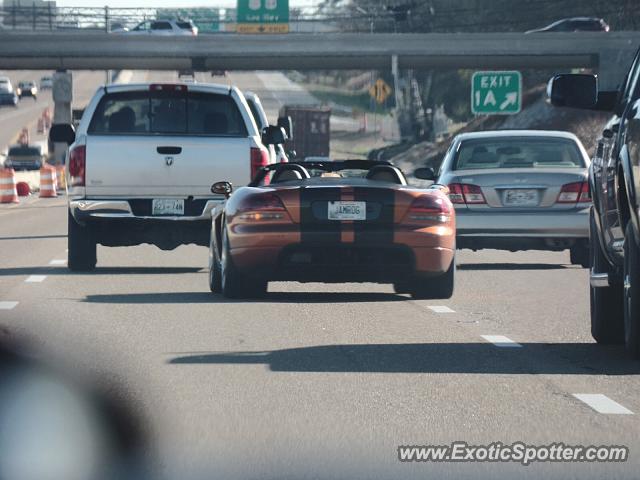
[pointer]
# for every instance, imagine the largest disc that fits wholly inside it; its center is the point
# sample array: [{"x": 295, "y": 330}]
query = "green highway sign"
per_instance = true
[
  {"x": 496, "y": 93},
  {"x": 263, "y": 16}
]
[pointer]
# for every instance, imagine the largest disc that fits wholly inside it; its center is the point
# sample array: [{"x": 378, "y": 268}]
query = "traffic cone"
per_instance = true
[
  {"x": 8, "y": 192},
  {"x": 24, "y": 190},
  {"x": 60, "y": 177},
  {"x": 24, "y": 136},
  {"x": 48, "y": 182}
]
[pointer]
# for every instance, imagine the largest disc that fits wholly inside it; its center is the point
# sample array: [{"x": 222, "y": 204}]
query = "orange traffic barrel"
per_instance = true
[
  {"x": 8, "y": 192},
  {"x": 48, "y": 182},
  {"x": 23, "y": 188},
  {"x": 60, "y": 176}
]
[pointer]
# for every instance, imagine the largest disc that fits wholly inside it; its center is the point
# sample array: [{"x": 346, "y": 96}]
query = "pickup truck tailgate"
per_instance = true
[{"x": 143, "y": 166}]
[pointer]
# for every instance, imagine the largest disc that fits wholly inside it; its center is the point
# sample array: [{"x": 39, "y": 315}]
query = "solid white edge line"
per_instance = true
[
  {"x": 35, "y": 278},
  {"x": 8, "y": 305},
  {"x": 602, "y": 404},
  {"x": 440, "y": 309},
  {"x": 58, "y": 262},
  {"x": 501, "y": 341}
]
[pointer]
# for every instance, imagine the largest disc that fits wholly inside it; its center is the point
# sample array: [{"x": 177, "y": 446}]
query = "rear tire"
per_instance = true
[
  {"x": 607, "y": 312},
  {"x": 81, "y": 245},
  {"x": 215, "y": 269},
  {"x": 235, "y": 284},
  {"x": 579, "y": 255},
  {"x": 631, "y": 293},
  {"x": 436, "y": 288}
]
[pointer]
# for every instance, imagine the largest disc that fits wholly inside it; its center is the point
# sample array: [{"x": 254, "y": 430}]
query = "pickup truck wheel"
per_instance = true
[
  {"x": 436, "y": 288},
  {"x": 215, "y": 269},
  {"x": 234, "y": 284},
  {"x": 579, "y": 255},
  {"x": 81, "y": 245},
  {"x": 402, "y": 287},
  {"x": 631, "y": 293},
  {"x": 607, "y": 315}
]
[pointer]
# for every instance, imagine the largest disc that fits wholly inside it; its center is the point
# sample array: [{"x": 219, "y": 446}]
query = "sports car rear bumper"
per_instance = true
[{"x": 342, "y": 262}]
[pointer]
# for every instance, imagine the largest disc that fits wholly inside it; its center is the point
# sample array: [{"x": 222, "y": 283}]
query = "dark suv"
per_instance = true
[{"x": 614, "y": 178}]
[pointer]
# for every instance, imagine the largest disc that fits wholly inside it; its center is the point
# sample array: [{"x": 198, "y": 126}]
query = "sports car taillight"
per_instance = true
[
  {"x": 577, "y": 192},
  {"x": 77, "y": 166},
  {"x": 265, "y": 206},
  {"x": 429, "y": 208},
  {"x": 461, "y": 193}
]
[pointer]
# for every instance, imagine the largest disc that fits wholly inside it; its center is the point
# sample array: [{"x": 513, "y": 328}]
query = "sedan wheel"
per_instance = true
[{"x": 631, "y": 293}]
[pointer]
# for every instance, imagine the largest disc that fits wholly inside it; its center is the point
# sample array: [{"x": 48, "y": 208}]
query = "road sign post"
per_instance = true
[
  {"x": 496, "y": 93},
  {"x": 263, "y": 16}
]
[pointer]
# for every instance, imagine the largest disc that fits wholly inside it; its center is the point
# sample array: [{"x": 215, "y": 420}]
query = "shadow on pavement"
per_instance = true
[
  {"x": 514, "y": 266},
  {"x": 484, "y": 358},
  {"x": 276, "y": 297},
  {"x": 54, "y": 270},
  {"x": 32, "y": 237}
]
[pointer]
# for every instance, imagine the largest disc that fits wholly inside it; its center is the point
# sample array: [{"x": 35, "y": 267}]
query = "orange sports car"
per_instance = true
[{"x": 333, "y": 221}]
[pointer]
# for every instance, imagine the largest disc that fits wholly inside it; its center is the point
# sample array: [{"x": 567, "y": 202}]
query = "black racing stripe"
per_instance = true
[
  {"x": 378, "y": 228},
  {"x": 314, "y": 225}
]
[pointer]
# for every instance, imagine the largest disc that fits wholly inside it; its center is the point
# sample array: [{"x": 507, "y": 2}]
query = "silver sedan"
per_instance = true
[{"x": 520, "y": 190}]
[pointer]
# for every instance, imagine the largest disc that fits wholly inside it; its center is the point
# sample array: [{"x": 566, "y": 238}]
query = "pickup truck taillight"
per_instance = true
[
  {"x": 77, "y": 166},
  {"x": 259, "y": 159},
  {"x": 577, "y": 192}
]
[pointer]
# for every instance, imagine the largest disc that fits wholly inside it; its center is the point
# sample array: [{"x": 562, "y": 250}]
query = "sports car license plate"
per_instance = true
[
  {"x": 347, "y": 211},
  {"x": 167, "y": 206},
  {"x": 521, "y": 198}
]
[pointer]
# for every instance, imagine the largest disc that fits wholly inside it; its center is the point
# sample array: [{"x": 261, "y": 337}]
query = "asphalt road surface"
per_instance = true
[{"x": 326, "y": 381}]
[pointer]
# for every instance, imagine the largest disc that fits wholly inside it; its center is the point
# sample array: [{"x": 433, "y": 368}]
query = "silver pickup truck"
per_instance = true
[{"x": 141, "y": 164}]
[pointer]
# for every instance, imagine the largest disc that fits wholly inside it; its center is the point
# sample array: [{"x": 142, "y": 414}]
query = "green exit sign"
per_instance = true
[
  {"x": 263, "y": 16},
  {"x": 496, "y": 93}
]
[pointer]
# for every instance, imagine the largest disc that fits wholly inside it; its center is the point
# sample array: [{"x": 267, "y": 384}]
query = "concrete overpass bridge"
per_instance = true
[{"x": 610, "y": 54}]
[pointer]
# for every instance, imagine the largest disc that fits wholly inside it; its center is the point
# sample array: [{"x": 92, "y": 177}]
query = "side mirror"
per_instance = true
[
  {"x": 425, "y": 173},
  {"x": 273, "y": 135},
  {"x": 287, "y": 124},
  {"x": 222, "y": 188},
  {"x": 62, "y": 133},
  {"x": 573, "y": 90}
]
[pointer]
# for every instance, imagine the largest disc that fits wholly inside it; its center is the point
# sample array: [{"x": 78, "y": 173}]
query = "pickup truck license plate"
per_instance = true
[
  {"x": 167, "y": 206},
  {"x": 521, "y": 198},
  {"x": 347, "y": 211}
]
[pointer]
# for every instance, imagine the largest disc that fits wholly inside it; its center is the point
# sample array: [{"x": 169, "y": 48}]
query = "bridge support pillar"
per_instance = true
[{"x": 62, "y": 97}]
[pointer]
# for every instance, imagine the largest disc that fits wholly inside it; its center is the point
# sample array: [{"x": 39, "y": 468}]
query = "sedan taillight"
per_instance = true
[
  {"x": 461, "y": 193},
  {"x": 77, "y": 166},
  {"x": 577, "y": 192}
]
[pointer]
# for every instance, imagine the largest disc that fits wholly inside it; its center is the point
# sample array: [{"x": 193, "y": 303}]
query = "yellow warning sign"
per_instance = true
[{"x": 380, "y": 91}]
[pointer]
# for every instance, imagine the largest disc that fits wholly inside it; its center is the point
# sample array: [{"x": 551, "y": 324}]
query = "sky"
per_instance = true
[{"x": 166, "y": 3}]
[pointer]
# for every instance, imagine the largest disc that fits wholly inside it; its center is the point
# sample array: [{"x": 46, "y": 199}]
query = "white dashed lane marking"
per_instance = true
[
  {"x": 602, "y": 404},
  {"x": 58, "y": 262},
  {"x": 501, "y": 341},
  {"x": 440, "y": 309},
  {"x": 35, "y": 279},
  {"x": 8, "y": 305}
]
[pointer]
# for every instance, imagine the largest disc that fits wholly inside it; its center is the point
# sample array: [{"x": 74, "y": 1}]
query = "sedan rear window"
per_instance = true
[
  {"x": 185, "y": 25},
  {"x": 167, "y": 113},
  {"x": 518, "y": 152}
]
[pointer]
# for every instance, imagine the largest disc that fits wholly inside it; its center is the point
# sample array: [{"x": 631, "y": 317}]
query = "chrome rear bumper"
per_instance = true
[{"x": 83, "y": 210}]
